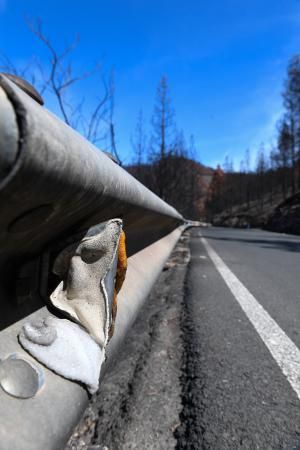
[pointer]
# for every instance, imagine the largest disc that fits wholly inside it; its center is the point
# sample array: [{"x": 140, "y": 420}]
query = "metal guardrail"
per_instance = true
[{"x": 53, "y": 184}]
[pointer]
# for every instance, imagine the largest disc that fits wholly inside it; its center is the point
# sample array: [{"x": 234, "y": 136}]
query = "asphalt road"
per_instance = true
[
  {"x": 213, "y": 360},
  {"x": 241, "y": 332}
]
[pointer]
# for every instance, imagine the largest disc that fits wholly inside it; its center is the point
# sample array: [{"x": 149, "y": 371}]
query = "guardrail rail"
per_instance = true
[{"x": 53, "y": 185}]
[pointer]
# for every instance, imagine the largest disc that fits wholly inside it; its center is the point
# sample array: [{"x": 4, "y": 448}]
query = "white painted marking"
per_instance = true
[
  {"x": 281, "y": 347},
  {"x": 202, "y": 257}
]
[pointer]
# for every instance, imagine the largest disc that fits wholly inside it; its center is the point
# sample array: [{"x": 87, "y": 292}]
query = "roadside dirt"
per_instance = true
[{"x": 139, "y": 405}]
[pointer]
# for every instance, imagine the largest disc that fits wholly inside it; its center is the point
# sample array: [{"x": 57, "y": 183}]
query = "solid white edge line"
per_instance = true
[{"x": 281, "y": 347}]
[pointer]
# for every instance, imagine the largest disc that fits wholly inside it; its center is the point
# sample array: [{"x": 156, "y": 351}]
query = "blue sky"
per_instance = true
[{"x": 225, "y": 61}]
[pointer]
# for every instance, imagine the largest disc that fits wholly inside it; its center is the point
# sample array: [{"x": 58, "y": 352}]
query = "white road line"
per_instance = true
[{"x": 283, "y": 350}]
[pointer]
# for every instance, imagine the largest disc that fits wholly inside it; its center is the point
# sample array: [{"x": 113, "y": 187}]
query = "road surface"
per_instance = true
[
  {"x": 242, "y": 335},
  {"x": 213, "y": 361}
]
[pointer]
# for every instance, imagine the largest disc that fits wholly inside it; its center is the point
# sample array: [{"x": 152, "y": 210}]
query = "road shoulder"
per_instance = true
[{"x": 138, "y": 406}]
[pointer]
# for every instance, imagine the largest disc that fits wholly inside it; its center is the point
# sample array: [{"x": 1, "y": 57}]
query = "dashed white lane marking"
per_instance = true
[{"x": 283, "y": 350}]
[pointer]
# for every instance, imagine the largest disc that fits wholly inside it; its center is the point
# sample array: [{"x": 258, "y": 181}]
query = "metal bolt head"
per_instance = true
[
  {"x": 111, "y": 156},
  {"x": 19, "y": 378},
  {"x": 31, "y": 219},
  {"x": 25, "y": 86}
]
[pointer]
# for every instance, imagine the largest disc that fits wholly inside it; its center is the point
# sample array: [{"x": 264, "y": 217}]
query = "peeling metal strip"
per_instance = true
[{"x": 58, "y": 406}]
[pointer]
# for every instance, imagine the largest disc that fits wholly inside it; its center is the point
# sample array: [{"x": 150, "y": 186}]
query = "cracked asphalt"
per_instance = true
[{"x": 194, "y": 373}]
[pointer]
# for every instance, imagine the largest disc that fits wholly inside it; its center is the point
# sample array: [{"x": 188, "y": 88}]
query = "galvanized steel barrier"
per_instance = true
[{"x": 53, "y": 183}]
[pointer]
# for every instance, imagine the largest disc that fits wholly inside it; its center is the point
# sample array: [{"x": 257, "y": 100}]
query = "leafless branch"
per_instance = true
[{"x": 58, "y": 78}]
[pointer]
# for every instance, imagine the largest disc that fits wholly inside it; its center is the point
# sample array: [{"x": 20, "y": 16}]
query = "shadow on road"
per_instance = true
[{"x": 289, "y": 246}]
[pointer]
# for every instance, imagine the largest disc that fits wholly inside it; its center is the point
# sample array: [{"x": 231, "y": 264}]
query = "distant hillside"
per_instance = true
[
  {"x": 286, "y": 216},
  {"x": 179, "y": 180},
  {"x": 280, "y": 215},
  {"x": 266, "y": 197}
]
